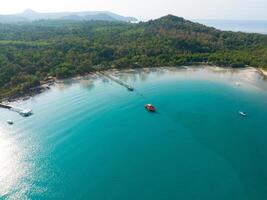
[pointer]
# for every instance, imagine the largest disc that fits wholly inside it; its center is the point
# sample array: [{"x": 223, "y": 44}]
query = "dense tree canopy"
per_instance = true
[{"x": 30, "y": 52}]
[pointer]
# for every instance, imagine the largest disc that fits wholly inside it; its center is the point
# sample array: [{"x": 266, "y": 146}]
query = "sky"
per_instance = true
[{"x": 149, "y": 9}]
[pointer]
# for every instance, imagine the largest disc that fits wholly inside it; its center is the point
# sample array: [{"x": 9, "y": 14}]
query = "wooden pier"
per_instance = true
[
  {"x": 130, "y": 88},
  {"x": 21, "y": 111},
  {"x": 5, "y": 106}
]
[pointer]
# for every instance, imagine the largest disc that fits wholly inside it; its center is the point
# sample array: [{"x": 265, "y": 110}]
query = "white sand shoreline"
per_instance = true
[{"x": 45, "y": 85}]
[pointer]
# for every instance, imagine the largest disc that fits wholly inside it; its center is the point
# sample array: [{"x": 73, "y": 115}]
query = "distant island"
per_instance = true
[
  {"x": 33, "y": 52},
  {"x": 30, "y": 15}
]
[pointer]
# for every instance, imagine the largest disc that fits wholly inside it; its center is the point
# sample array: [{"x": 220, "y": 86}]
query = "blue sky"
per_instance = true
[{"x": 148, "y": 9}]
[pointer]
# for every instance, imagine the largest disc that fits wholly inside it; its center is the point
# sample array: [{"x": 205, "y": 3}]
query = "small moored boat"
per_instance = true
[
  {"x": 243, "y": 113},
  {"x": 150, "y": 107},
  {"x": 238, "y": 83},
  {"x": 25, "y": 113},
  {"x": 130, "y": 88},
  {"x": 10, "y": 122}
]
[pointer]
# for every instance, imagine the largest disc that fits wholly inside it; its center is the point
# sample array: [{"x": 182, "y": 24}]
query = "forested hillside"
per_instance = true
[{"x": 29, "y": 52}]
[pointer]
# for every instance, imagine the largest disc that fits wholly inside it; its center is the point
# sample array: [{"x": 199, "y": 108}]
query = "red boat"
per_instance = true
[{"x": 150, "y": 108}]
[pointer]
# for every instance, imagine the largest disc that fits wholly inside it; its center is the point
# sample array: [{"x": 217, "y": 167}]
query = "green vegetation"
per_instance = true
[{"x": 30, "y": 52}]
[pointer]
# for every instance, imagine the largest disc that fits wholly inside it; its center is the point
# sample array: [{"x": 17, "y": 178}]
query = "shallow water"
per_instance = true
[{"x": 92, "y": 139}]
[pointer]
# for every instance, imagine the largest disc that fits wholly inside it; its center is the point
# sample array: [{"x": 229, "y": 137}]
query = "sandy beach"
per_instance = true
[{"x": 45, "y": 85}]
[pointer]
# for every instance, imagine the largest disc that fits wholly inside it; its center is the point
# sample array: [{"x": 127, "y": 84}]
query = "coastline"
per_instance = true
[
  {"x": 263, "y": 72},
  {"x": 43, "y": 87},
  {"x": 52, "y": 81},
  {"x": 23, "y": 96}
]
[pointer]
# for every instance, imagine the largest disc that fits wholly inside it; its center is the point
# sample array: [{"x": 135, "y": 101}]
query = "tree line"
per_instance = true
[{"x": 30, "y": 52}]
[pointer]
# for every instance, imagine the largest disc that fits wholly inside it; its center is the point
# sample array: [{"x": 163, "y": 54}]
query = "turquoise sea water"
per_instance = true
[{"x": 92, "y": 139}]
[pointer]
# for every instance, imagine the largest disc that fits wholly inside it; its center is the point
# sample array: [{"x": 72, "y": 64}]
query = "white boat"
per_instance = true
[
  {"x": 25, "y": 113},
  {"x": 10, "y": 122},
  {"x": 243, "y": 113}
]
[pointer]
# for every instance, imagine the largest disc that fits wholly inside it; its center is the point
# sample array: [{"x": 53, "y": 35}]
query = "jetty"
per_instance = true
[
  {"x": 5, "y": 106},
  {"x": 21, "y": 111},
  {"x": 116, "y": 80}
]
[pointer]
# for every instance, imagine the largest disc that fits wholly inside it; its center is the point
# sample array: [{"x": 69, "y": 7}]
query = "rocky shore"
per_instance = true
[{"x": 25, "y": 95}]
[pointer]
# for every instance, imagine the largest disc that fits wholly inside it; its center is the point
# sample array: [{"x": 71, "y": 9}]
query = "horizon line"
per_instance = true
[{"x": 138, "y": 18}]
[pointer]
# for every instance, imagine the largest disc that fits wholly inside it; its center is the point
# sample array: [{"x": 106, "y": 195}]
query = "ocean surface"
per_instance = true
[
  {"x": 90, "y": 138},
  {"x": 249, "y": 26}
]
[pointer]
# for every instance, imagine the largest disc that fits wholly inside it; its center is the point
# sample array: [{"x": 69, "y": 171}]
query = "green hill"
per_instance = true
[{"x": 29, "y": 52}]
